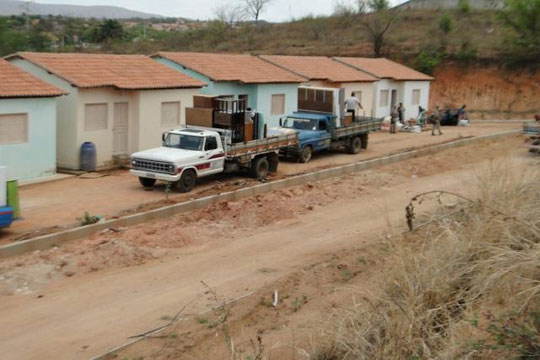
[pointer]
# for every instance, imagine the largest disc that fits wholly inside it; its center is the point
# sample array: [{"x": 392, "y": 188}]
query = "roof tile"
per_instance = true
[
  {"x": 232, "y": 67},
  {"x": 126, "y": 72},
  {"x": 15, "y": 83},
  {"x": 319, "y": 68},
  {"x": 384, "y": 68}
]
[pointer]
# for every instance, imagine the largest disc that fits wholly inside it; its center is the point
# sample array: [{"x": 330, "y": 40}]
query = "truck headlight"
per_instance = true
[{"x": 134, "y": 162}]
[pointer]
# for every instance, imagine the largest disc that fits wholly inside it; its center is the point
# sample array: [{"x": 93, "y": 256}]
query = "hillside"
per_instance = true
[{"x": 15, "y": 7}]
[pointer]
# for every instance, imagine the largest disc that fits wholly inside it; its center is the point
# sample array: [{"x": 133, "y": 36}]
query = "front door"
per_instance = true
[
  {"x": 394, "y": 99},
  {"x": 120, "y": 128}
]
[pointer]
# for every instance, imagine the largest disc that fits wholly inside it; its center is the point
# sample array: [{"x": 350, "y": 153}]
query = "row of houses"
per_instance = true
[{"x": 50, "y": 104}]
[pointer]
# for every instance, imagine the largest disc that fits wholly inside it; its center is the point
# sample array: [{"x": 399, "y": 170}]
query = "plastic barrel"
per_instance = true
[
  {"x": 88, "y": 156},
  {"x": 13, "y": 198}
]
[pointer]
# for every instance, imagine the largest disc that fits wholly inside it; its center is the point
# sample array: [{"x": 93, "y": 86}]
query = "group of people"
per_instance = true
[{"x": 397, "y": 114}]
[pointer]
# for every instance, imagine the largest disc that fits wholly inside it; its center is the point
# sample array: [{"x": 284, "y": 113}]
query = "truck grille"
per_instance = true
[{"x": 153, "y": 166}]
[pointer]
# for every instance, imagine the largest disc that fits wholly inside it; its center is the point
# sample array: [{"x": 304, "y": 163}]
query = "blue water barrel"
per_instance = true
[{"x": 88, "y": 156}]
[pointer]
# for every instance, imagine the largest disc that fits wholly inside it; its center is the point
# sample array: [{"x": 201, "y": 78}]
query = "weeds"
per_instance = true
[
  {"x": 297, "y": 303},
  {"x": 484, "y": 255},
  {"x": 88, "y": 219}
]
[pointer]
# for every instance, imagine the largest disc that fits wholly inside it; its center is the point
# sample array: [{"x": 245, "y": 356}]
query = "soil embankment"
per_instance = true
[{"x": 489, "y": 92}]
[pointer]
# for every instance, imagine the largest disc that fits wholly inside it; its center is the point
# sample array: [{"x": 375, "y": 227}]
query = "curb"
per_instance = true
[{"x": 57, "y": 239}]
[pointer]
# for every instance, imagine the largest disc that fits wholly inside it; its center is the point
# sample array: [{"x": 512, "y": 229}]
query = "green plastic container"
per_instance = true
[{"x": 13, "y": 198}]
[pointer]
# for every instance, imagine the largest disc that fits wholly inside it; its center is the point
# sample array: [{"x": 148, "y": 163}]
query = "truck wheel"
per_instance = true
[
  {"x": 187, "y": 181},
  {"x": 364, "y": 139},
  {"x": 147, "y": 182},
  {"x": 259, "y": 168},
  {"x": 354, "y": 146},
  {"x": 305, "y": 155}
]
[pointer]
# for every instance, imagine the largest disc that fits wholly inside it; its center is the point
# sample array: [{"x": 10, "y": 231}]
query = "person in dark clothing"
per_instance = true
[{"x": 401, "y": 113}]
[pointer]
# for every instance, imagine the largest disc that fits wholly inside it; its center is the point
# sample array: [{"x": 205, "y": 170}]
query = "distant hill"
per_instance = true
[{"x": 15, "y": 7}]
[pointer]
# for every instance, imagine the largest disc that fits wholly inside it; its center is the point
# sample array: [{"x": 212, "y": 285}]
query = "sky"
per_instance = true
[{"x": 277, "y": 10}]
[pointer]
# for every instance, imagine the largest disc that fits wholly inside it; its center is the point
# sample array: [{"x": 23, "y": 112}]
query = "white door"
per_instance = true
[
  {"x": 214, "y": 156},
  {"x": 120, "y": 128}
]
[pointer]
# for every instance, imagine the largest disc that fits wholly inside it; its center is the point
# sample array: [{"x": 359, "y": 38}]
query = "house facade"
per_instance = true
[
  {"x": 397, "y": 84},
  {"x": 268, "y": 89},
  {"x": 27, "y": 124},
  {"x": 121, "y": 103},
  {"x": 324, "y": 72}
]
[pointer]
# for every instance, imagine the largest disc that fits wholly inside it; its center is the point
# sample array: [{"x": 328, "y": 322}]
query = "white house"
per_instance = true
[
  {"x": 397, "y": 84},
  {"x": 27, "y": 124},
  {"x": 268, "y": 89},
  {"x": 121, "y": 103},
  {"x": 324, "y": 72}
]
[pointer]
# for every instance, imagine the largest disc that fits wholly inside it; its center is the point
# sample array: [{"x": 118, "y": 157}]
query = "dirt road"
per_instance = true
[
  {"x": 85, "y": 312},
  {"x": 56, "y": 205}
]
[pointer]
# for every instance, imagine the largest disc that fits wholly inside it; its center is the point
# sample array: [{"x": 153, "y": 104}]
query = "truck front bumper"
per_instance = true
[
  {"x": 157, "y": 176},
  {"x": 290, "y": 151}
]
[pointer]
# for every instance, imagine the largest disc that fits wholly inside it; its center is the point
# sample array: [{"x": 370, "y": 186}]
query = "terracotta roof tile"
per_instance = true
[
  {"x": 15, "y": 83},
  {"x": 232, "y": 67},
  {"x": 319, "y": 68},
  {"x": 126, "y": 72},
  {"x": 384, "y": 68}
]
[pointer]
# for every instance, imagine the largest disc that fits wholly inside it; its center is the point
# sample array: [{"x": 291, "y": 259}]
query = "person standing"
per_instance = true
[
  {"x": 421, "y": 116},
  {"x": 436, "y": 121},
  {"x": 393, "y": 119},
  {"x": 352, "y": 104},
  {"x": 401, "y": 113}
]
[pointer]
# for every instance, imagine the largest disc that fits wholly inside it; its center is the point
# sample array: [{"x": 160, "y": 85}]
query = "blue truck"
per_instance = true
[{"x": 321, "y": 131}]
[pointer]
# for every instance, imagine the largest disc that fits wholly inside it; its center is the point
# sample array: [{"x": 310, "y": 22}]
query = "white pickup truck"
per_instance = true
[{"x": 193, "y": 152}]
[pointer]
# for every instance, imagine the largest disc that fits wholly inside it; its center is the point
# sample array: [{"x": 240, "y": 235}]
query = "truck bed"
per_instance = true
[
  {"x": 261, "y": 146},
  {"x": 361, "y": 125}
]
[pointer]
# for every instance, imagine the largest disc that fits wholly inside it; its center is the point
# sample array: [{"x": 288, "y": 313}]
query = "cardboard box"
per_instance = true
[
  {"x": 199, "y": 117},
  {"x": 204, "y": 101}
]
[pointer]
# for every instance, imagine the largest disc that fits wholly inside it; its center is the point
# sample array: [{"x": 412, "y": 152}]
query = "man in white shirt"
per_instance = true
[{"x": 351, "y": 104}]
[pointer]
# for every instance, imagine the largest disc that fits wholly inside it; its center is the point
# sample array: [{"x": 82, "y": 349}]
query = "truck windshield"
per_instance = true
[
  {"x": 184, "y": 142},
  {"x": 300, "y": 124}
]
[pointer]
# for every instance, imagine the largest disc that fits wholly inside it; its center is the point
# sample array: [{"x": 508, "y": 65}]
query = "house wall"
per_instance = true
[
  {"x": 150, "y": 129},
  {"x": 103, "y": 138},
  {"x": 66, "y": 114},
  {"x": 367, "y": 89},
  {"x": 37, "y": 157},
  {"x": 264, "y": 101},
  {"x": 385, "y": 84},
  {"x": 260, "y": 95},
  {"x": 411, "y": 110}
]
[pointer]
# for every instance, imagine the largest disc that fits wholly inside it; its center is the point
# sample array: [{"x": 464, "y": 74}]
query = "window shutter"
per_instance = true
[
  {"x": 170, "y": 113},
  {"x": 278, "y": 104},
  {"x": 13, "y": 129},
  {"x": 384, "y": 98},
  {"x": 416, "y": 97},
  {"x": 96, "y": 117}
]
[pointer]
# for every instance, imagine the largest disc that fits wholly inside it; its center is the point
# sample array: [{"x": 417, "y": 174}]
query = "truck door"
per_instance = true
[
  {"x": 323, "y": 136},
  {"x": 214, "y": 156}
]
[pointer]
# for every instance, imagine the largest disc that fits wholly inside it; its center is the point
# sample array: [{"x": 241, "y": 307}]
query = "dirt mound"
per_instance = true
[{"x": 488, "y": 91}]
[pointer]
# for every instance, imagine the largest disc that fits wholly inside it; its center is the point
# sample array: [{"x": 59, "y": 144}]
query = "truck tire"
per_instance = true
[
  {"x": 305, "y": 154},
  {"x": 147, "y": 182},
  {"x": 187, "y": 181},
  {"x": 354, "y": 145},
  {"x": 364, "y": 139},
  {"x": 259, "y": 168}
]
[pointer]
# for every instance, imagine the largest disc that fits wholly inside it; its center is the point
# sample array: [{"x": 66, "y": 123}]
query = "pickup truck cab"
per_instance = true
[
  {"x": 321, "y": 131},
  {"x": 194, "y": 152}
]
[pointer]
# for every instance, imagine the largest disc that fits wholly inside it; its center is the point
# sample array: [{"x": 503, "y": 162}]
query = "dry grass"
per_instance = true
[{"x": 482, "y": 260}]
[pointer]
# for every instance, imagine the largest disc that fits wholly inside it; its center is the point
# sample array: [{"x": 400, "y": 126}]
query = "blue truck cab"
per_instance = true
[{"x": 320, "y": 131}]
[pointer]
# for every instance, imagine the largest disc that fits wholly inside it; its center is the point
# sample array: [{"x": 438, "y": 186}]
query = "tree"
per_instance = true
[
  {"x": 446, "y": 23},
  {"x": 378, "y": 23},
  {"x": 521, "y": 18},
  {"x": 256, "y": 7},
  {"x": 230, "y": 15},
  {"x": 110, "y": 30},
  {"x": 464, "y": 6}
]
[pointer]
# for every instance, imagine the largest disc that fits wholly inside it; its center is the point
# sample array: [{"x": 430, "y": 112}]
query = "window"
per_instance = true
[
  {"x": 170, "y": 113},
  {"x": 95, "y": 117},
  {"x": 245, "y": 99},
  {"x": 211, "y": 143},
  {"x": 13, "y": 129},
  {"x": 384, "y": 98},
  {"x": 416, "y": 97},
  {"x": 278, "y": 104}
]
